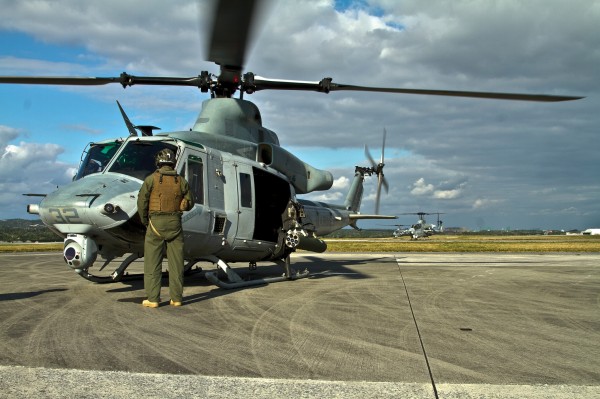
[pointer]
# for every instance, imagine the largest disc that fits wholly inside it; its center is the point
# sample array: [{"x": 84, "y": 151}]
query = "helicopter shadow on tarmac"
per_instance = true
[
  {"x": 13, "y": 296},
  {"x": 318, "y": 268}
]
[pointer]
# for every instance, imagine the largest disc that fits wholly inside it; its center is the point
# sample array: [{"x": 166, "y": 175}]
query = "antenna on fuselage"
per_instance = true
[
  {"x": 130, "y": 127},
  {"x": 146, "y": 129}
]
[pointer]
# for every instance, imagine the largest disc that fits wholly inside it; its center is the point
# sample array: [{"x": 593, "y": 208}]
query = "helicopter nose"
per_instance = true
[{"x": 89, "y": 205}]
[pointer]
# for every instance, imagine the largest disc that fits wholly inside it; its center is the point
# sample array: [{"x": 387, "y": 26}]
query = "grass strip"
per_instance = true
[
  {"x": 470, "y": 244},
  {"x": 31, "y": 247},
  {"x": 441, "y": 243}
]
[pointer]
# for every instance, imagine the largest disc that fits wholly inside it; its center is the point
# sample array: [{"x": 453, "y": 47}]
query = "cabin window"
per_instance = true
[
  {"x": 195, "y": 178},
  {"x": 245, "y": 190}
]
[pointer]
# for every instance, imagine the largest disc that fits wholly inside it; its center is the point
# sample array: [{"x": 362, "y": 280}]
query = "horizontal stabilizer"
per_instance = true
[{"x": 358, "y": 216}]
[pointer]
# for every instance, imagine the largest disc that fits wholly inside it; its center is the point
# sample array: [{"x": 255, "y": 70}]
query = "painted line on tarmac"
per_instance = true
[{"x": 19, "y": 382}]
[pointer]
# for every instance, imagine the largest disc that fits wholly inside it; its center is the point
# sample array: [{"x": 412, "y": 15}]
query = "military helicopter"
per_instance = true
[
  {"x": 421, "y": 228},
  {"x": 245, "y": 184}
]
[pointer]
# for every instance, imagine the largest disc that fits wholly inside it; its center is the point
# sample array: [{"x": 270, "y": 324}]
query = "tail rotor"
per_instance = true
[{"x": 377, "y": 168}]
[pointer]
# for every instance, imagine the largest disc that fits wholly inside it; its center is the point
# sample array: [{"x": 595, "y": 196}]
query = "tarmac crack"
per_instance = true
[{"x": 435, "y": 392}]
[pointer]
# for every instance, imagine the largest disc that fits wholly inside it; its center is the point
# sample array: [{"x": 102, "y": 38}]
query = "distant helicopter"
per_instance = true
[
  {"x": 420, "y": 229},
  {"x": 244, "y": 183}
]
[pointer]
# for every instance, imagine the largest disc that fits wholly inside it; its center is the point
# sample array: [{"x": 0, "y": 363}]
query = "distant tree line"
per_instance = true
[
  {"x": 23, "y": 230},
  {"x": 378, "y": 233},
  {"x": 367, "y": 233}
]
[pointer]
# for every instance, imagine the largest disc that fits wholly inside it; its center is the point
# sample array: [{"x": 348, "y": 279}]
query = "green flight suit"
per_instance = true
[{"x": 164, "y": 229}]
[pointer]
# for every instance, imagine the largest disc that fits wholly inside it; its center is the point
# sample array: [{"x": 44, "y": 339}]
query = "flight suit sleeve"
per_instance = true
[
  {"x": 188, "y": 198},
  {"x": 143, "y": 200}
]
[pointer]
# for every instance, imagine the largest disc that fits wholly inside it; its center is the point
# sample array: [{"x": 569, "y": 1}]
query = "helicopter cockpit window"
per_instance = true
[
  {"x": 137, "y": 158},
  {"x": 97, "y": 158}
]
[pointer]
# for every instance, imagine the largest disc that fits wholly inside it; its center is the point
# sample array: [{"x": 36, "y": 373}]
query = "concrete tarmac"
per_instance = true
[{"x": 363, "y": 325}]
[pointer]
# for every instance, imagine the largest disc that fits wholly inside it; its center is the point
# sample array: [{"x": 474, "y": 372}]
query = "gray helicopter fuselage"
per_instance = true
[
  {"x": 103, "y": 205},
  {"x": 416, "y": 231},
  {"x": 244, "y": 186}
]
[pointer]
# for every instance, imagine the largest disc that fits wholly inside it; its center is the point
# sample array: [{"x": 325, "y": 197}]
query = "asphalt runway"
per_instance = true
[{"x": 363, "y": 325}]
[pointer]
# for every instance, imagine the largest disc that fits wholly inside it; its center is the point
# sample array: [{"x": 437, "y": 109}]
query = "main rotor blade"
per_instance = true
[
  {"x": 454, "y": 93},
  {"x": 326, "y": 86},
  {"x": 58, "y": 80},
  {"x": 259, "y": 83},
  {"x": 124, "y": 79},
  {"x": 232, "y": 25}
]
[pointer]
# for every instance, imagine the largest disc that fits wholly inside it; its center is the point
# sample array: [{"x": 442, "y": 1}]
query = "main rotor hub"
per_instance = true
[{"x": 228, "y": 81}]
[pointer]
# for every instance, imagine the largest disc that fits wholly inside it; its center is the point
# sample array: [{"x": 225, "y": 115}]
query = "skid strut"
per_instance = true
[
  {"x": 235, "y": 281},
  {"x": 117, "y": 275}
]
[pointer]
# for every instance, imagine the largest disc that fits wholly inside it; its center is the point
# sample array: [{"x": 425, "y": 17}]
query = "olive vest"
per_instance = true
[{"x": 166, "y": 194}]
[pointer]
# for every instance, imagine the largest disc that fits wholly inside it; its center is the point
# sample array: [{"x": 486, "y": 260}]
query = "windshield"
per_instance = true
[
  {"x": 137, "y": 158},
  {"x": 97, "y": 157}
]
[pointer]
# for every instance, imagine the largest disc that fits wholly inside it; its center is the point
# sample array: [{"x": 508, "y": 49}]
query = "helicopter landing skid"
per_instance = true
[
  {"x": 235, "y": 281},
  {"x": 117, "y": 275}
]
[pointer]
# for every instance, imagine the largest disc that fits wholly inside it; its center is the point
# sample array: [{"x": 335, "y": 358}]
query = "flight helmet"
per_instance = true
[{"x": 165, "y": 157}]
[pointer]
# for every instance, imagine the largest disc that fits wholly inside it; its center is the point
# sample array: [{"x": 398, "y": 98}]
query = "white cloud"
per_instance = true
[
  {"x": 28, "y": 168},
  {"x": 483, "y": 203},
  {"x": 450, "y": 189},
  {"x": 447, "y": 194},
  {"x": 422, "y": 188},
  {"x": 7, "y": 134},
  {"x": 334, "y": 196},
  {"x": 341, "y": 183}
]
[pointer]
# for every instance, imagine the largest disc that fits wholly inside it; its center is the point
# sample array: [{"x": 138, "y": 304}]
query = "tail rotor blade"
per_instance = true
[
  {"x": 377, "y": 168},
  {"x": 383, "y": 146},
  {"x": 378, "y": 196},
  {"x": 381, "y": 181},
  {"x": 385, "y": 183},
  {"x": 370, "y": 158}
]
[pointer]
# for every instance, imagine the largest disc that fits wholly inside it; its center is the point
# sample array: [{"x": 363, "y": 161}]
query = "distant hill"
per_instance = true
[{"x": 23, "y": 230}]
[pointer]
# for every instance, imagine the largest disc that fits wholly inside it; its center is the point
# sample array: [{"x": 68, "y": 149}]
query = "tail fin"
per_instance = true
[{"x": 354, "y": 197}]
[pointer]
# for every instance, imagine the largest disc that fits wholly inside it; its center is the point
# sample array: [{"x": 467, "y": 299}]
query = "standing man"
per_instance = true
[{"x": 164, "y": 196}]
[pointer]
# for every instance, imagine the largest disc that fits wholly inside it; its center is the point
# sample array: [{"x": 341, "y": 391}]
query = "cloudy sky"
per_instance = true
[{"x": 483, "y": 163}]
